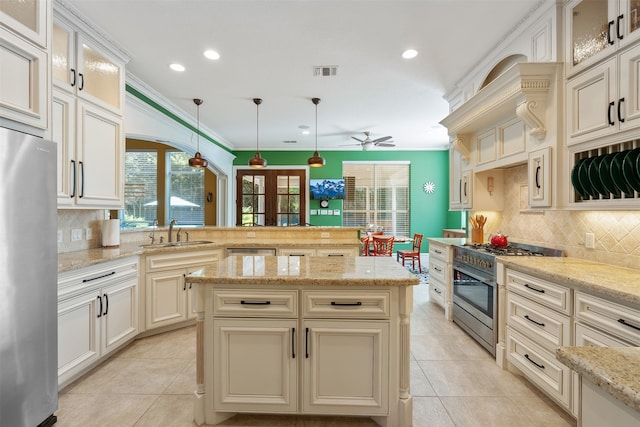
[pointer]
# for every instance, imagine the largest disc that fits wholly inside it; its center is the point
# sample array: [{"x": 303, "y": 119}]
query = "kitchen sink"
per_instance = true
[{"x": 175, "y": 244}]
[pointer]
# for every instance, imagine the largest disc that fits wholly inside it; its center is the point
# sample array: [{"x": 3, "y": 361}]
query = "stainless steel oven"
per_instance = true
[
  {"x": 475, "y": 297},
  {"x": 474, "y": 304}
]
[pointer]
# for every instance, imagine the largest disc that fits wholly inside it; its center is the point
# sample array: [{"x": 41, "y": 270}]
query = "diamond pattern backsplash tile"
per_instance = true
[{"x": 617, "y": 233}]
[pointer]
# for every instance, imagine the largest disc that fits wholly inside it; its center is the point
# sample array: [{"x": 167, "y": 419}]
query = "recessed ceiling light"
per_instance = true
[
  {"x": 212, "y": 54},
  {"x": 409, "y": 53},
  {"x": 303, "y": 127},
  {"x": 177, "y": 67},
  {"x": 306, "y": 132}
]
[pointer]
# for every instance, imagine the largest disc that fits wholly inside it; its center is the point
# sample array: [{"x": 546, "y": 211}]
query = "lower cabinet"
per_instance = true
[
  {"x": 440, "y": 276},
  {"x": 97, "y": 314},
  {"x": 268, "y": 354},
  {"x": 169, "y": 299},
  {"x": 350, "y": 251}
]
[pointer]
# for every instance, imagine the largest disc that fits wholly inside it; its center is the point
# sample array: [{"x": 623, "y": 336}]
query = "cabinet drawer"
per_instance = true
[
  {"x": 544, "y": 326},
  {"x": 441, "y": 252},
  {"x": 589, "y": 337},
  {"x": 438, "y": 270},
  {"x": 437, "y": 292},
  {"x": 618, "y": 320},
  {"x": 180, "y": 259},
  {"x": 296, "y": 252},
  {"x": 540, "y": 367},
  {"x": 340, "y": 304},
  {"x": 541, "y": 291},
  {"x": 254, "y": 303},
  {"x": 337, "y": 252}
]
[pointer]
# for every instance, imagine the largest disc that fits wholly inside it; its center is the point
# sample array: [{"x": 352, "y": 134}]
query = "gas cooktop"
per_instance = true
[{"x": 514, "y": 249}]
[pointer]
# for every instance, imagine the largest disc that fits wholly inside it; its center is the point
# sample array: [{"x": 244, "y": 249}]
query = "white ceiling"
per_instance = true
[{"x": 268, "y": 50}]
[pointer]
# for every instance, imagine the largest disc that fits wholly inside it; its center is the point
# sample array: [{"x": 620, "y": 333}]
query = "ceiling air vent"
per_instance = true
[
  {"x": 325, "y": 70},
  {"x": 290, "y": 142}
]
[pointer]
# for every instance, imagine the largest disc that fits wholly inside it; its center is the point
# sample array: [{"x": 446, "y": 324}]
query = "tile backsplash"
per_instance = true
[
  {"x": 72, "y": 219},
  {"x": 617, "y": 233}
]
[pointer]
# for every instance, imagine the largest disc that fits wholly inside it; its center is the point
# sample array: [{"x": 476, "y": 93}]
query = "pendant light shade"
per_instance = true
[
  {"x": 257, "y": 161},
  {"x": 197, "y": 161},
  {"x": 316, "y": 161}
]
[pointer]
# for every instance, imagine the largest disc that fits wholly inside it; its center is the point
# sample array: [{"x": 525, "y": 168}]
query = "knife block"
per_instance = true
[{"x": 477, "y": 235}]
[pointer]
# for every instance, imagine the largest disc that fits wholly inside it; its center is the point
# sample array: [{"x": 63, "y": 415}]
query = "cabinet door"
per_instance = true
[
  {"x": 29, "y": 18},
  {"x": 23, "y": 81},
  {"x": 64, "y": 70},
  {"x": 346, "y": 367},
  {"x": 191, "y": 295},
  {"x": 630, "y": 22},
  {"x": 296, "y": 252},
  {"x": 78, "y": 334},
  {"x": 466, "y": 190},
  {"x": 629, "y": 84},
  {"x": 63, "y": 132},
  {"x": 255, "y": 365},
  {"x": 166, "y": 298},
  {"x": 100, "y": 77},
  {"x": 591, "y": 97},
  {"x": 100, "y": 147},
  {"x": 540, "y": 178},
  {"x": 120, "y": 314},
  {"x": 589, "y": 32},
  {"x": 455, "y": 178}
]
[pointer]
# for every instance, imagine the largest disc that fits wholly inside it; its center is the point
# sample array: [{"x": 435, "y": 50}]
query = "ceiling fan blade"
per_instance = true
[
  {"x": 357, "y": 139},
  {"x": 384, "y": 138},
  {"x": 385, "y": 144}
]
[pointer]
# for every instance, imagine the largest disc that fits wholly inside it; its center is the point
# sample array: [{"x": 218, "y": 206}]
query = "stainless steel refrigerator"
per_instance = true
[{"x": 28, "y": 281}]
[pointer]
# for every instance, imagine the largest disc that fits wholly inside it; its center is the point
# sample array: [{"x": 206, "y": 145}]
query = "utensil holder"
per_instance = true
[{"x": 477, "y": 235}]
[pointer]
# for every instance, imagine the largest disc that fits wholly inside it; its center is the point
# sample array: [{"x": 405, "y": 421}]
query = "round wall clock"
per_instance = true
[
  {"x": 429, "y": 187},
  {"x": 324, "y": 204}
]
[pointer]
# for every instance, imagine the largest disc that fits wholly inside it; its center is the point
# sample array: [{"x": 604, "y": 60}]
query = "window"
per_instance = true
[
  {"x": 160, "y": 184},
  {"x": 377, "y": 193}
]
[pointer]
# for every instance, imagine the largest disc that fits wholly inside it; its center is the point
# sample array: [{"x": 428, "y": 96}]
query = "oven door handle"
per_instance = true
[{"x": 486, "y": 280}]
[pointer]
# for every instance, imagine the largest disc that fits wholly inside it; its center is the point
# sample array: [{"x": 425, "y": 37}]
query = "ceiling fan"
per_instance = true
[{"x": 378, "y": 142}]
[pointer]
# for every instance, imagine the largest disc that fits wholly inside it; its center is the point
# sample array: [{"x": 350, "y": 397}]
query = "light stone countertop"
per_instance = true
[
  {"x": 607, "y": 280},
  {"x": 448, "y": 240},
  {"x": 308, "y": 271},
  {"x": 615, "y": 370}
]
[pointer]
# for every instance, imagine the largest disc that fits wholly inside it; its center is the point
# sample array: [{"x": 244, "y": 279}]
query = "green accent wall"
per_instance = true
[{"x": 429, "y": 212}]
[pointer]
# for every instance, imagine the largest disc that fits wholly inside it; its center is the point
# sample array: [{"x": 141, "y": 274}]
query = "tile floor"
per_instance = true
[{"x": 454, "y": 383}]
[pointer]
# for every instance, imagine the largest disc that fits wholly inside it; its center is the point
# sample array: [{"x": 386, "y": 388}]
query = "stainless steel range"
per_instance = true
[{"x": 475, "y": 297}]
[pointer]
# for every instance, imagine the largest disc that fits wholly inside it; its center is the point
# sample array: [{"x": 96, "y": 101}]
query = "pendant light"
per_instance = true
[
  {"x": 316, "y": 161},
  {"x": 197, "y": 161},
  {"x": 256, "y": 161}
]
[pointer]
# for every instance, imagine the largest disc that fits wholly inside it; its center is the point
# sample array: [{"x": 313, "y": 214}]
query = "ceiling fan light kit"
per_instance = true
[
  {"x": 197, "y": 161},
  {"x": 316, "y": 161},
  {"x": 257, "y": 161}
]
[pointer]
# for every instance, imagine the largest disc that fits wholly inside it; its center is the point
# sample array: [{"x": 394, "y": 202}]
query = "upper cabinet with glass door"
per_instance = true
[
  {"x": 83, "y": 67},
  {"x": 597, "y": 28},
  {"x": 29, "y": 18}
]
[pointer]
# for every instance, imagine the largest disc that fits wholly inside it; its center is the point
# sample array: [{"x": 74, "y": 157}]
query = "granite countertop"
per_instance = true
[
  {"x": 615, "y": 370},
  {"x": 318, "y": 271},
  {"x": 607, "y": 280},
  {"x": 448, "y": 240}
]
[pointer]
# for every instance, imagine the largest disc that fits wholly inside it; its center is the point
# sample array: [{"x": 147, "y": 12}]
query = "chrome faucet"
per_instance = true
[
  {"x": 178, "y": 236},
  {"x": 152, "y": 235},
  {"x": 171, "y": 224}
]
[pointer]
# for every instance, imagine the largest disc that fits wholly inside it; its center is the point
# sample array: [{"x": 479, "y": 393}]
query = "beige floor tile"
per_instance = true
[
  {"x": 485, "y": 412},
  {"x": 185, "y": 382},
  {"x": 543, "y": 412},
  {"x": 101, "y": 410},
  {"x": 169, "y": 411},
  {"x": 446, "y": 347},
  {"x": 420, "y": 386},
  {"x": 429, "y": 412},
  {"x": 461, "y": 378},
  {"x": 132, "y": 376}
]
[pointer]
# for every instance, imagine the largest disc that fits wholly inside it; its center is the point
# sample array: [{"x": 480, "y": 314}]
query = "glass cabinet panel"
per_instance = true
[
  {"x": 62, "y": 56},
  {"x": 24, "y": 11},
  {"x": 634, "y": 18},
  {"x": 100, "y": 77},
  {"x": 589, "y": 24}
]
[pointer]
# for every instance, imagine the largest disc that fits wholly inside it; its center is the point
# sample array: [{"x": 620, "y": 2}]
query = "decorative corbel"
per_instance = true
[
  {"x": 530, "y": 112},
  {"x": 458, "y": 145}
]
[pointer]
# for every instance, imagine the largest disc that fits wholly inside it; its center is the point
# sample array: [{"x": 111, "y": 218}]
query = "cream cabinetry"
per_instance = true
[
  {"x": 603, "y": 101},
  {"x": 538, "y": 320},
  {"x": 440, "y": 276},
  {"x": 169, "y": 299},
  {"x": 300, "y": 351},
  {"x": 24, "y": 55},
  {"x": 97, "y": 314},
  {"x": 87, "y": 116},
  {"x": 335, "y": 251},
  {"x": 540, "y": 179},
  {"x": 617, "y": 322},
  {"x": 596, "y": 29}
]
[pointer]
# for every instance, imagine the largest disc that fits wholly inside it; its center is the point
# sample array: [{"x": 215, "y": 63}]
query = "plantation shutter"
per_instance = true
[{"x": 379, "y": 196}]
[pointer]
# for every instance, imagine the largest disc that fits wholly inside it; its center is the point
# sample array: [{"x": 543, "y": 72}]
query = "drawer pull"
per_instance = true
[
  {"x": 439, "y": 252},
  {"x": 306, "y": 343},
  {"x": 293, "y": 343},
  {"x": 526, "y": 356},
  {"x": 439, "y": 270},
  {"x": 437, "y": 291},
  {"x": 625, "y": 323},
  {"x": 255, "y": 302},
  {"x": 346, "y": 303},
  {"x": 526, "y": 316},
  {"x": 526, "y": 285},
  {"x": 98, "y": 277}
]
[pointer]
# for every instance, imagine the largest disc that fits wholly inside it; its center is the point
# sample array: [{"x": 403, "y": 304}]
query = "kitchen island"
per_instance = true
[{"x": 303, "y": 335}]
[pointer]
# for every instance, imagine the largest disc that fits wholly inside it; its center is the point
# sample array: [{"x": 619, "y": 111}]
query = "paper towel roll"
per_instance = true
[{"x": 111, "y": 233}]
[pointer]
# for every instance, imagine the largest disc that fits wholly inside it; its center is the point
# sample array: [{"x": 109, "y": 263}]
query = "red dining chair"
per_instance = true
[
  {"x": 367, "y": 242},
  {"x": 382, "y": 246},
  {"x": 413, "y": 254}
]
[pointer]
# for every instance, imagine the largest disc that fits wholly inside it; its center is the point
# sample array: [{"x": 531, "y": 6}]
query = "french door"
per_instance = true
[{"x": 273, "y": 197}]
